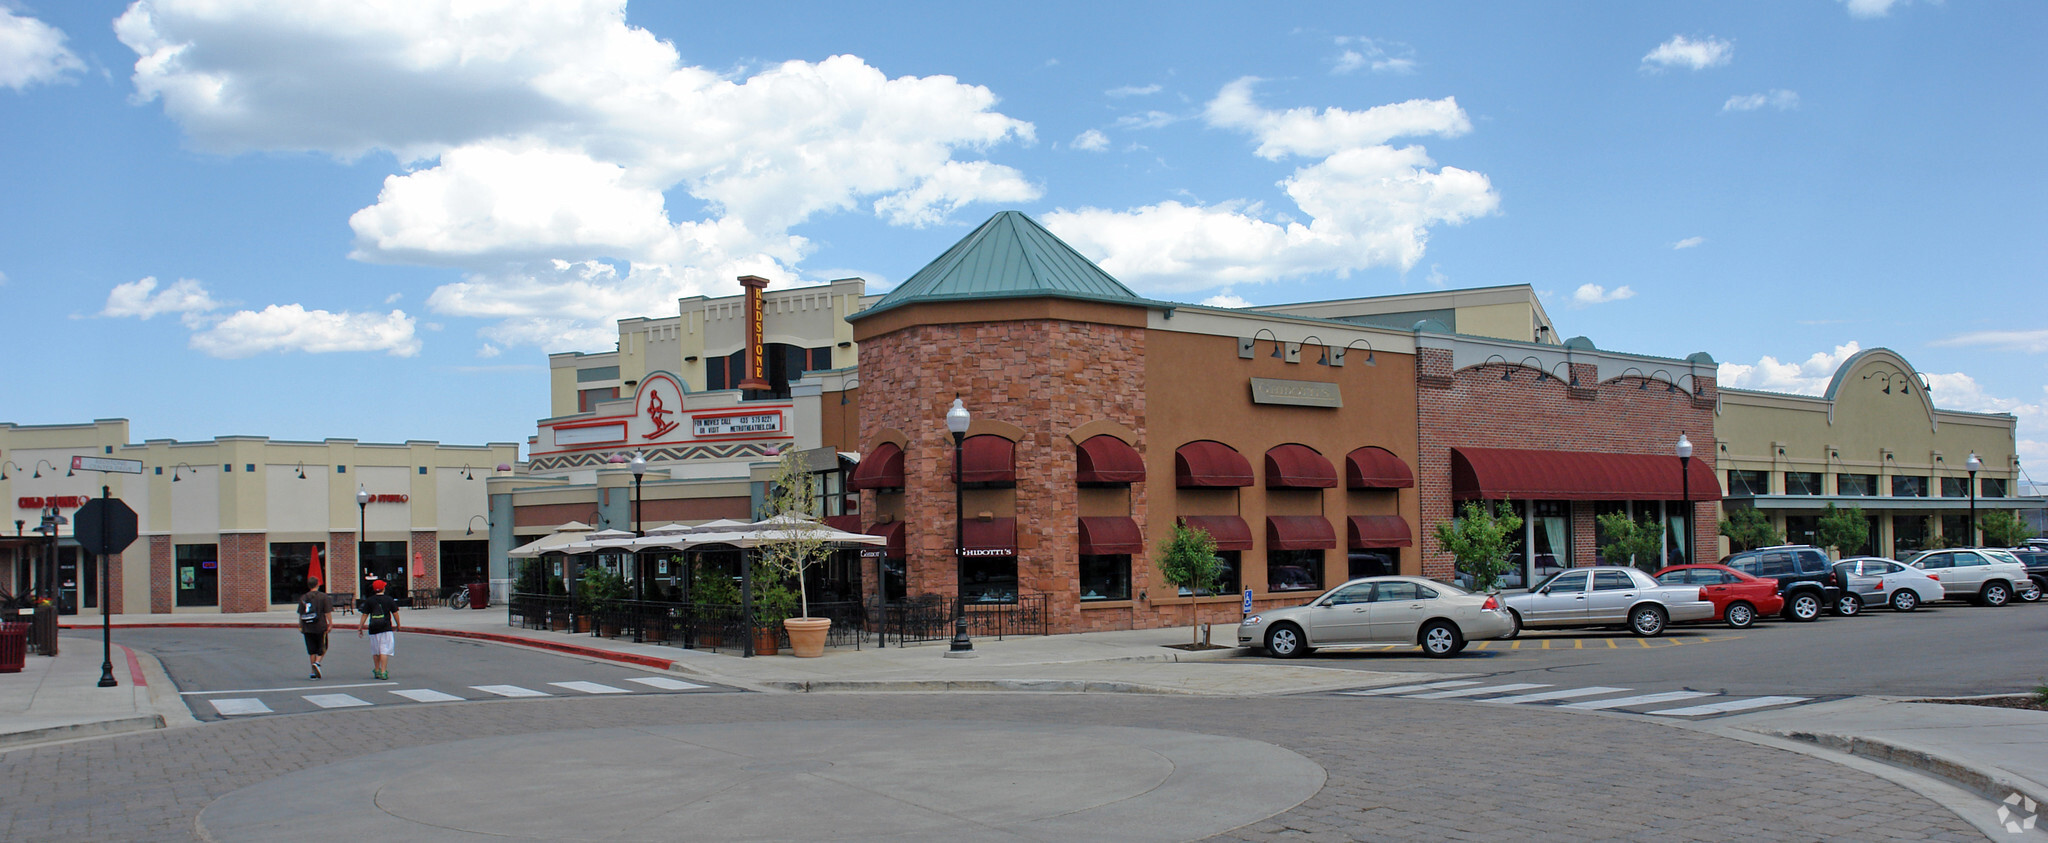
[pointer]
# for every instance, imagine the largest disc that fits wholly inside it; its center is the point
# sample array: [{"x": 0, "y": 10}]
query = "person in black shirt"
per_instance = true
[
  {"x": 314, "y": 608},
  {"x": 380, "y": 617}
]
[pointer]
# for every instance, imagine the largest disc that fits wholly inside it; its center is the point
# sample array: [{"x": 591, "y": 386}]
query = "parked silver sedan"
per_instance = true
[
  {"x": 1408, "y": 610},
  {"x": 1871, "y": 581},
  {"x": 1607, "y": 596}
]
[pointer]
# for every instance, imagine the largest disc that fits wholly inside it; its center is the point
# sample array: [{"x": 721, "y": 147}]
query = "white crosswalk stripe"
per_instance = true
[
  {"x": 665, "y": 683},
  {"x": 232, "y": 707},
  {"x": 590, "y": 687},
  {"x": 1730, "y": 706},
  {"x": 511, "y": 691},
  {"x": 424, "y": 695},
  {"x": 1559, "y": 694},
  {"x": 1473, "y": 692},
  {"x": 1403, "y": 689},
  {"x": 335, "y": 700},
  {"x": 1643, "y": 699}
]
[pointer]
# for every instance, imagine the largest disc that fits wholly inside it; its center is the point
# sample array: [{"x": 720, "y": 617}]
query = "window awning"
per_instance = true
[
  {"x": 1299, "y": 532},
  {"x": 848, "y": 523},
  {"x": 892, "y": 534},
  {"x": 1503, "y": 473},
  {"x": 1379, "y": 531},
  {"x": 1111, "y": 537},
  {"x": 994, "y": 537},
  {"x": 1108, "y": 460},
  {"x": 1210, "y": 465},
  {"x": 1229, "y": 531},
  {"x": 1298, "y": 467},
  {"x": 882, "y": 468},
  {"x": 988, "y": 459},
  {"x": 1373, "y": 467}
]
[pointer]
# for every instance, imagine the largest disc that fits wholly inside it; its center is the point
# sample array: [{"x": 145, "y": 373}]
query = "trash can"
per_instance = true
[
  {"x": 13, "y": 646},
  {"x": 479, "y": 595}
]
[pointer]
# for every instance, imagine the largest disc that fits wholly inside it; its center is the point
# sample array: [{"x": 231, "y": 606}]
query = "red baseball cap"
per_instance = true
[{"x": 377, "y": 586}]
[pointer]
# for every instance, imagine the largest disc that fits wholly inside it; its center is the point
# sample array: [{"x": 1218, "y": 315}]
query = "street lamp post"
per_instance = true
[
  {"x": 1685, "y": 486},
  {"x": 639, "y": 466},
  {"x": 1974, "y": 465},
  {"x": 362, "y": 531},
  {"x": 957, "y": 421}
]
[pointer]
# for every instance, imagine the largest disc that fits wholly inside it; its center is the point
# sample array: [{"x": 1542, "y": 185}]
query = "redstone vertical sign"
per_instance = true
[{"x": 757, "y": 358}]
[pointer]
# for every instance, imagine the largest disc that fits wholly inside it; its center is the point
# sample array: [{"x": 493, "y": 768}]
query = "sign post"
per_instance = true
[{"x": 105, "y": 527}]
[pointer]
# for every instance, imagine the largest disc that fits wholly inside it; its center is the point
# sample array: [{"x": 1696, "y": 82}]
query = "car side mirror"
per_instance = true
[{"x": 1543, "y": 590}]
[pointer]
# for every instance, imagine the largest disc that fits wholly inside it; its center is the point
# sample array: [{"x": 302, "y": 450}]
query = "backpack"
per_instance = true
[{"x": 306, "y": 613}]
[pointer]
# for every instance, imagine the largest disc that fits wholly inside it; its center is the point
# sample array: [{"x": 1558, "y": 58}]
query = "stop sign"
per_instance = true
[{"x": 104, "y": 526}]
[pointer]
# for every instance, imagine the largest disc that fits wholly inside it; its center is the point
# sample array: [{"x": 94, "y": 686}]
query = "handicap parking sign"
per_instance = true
[{"x": 1247, "y": 600}]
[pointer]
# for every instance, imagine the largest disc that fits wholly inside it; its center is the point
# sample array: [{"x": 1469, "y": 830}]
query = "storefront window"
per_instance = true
[
  {"x": 1909, "y": 534},
  {"x": 895, "y": 581},
  {"x": 289, "y": 562},
  {"x": 464, "y": 562},
  {"x": 1802, "y": 529},
  {"x": 1856, "y": 484},
  {"x": 1748, "y": 483},
  {"x": 1105, "y": 578},
  {"x": 1871, "y": 537},
  {"x": 1955, "y": 530},
  {"x": 1991, "y": 487},
  {"x": 1802, "y": 482},
  {"x": 989, "y": 579},
  {"x": 198, "y": 567},
  {"x": 1955, "y": 487},
  {"x": 1227, "y": 582},
  {"x": 1370, "y": 562},
  {"x": 1550, "y": 527},
  {"x": 1294, "y": 570},
  {"x": 1677, "y": 539},
  {"x": 1908, "y": 486},
  {"x": 384, "y": 561},
  {"x": 1600, "y": 536}
]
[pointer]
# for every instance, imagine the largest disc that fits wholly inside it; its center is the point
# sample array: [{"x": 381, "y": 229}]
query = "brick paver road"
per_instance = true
[{"x": 1398, "y": 770}]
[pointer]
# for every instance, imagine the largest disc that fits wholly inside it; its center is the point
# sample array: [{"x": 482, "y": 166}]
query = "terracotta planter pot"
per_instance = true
[
  {"x": 766, "y": 642},
  {"x": 807, "y": 636},
  {"x": 558, "y": 623},
  {"x": 582, "y": 623}
]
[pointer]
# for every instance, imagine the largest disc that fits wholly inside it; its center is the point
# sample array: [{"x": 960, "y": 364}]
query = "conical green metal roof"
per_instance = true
[{"x": 1010, "y": 256}]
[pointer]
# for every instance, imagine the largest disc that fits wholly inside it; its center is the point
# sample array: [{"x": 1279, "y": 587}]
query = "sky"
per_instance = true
[{"x": 373, "y": 219}]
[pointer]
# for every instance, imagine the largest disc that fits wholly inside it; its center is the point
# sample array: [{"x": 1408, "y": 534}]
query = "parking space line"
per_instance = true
[
  {"x": 1560, "y": 694},
  {"x": 1644, "y": 699},
  {"x": 1472, "y": 692},
  {"x": 1730, "y": 706},
  {"x": 1546, "y": 643},
  {"x": 1610, "y": 643},
  {"x": 1578, "y": 643},
  {"x": 1403, "y": 689}
]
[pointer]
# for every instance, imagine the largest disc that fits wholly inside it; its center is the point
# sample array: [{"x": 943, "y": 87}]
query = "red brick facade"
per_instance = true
[
  {"x": 340, "y": 562},
  {"x": 425, "y": 547},
  {"x": 163, "y": 575},
  {"x": 244, "y": 580}
]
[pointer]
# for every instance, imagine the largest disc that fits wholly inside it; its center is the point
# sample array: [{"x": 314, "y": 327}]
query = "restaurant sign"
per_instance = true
[{"x": 1296, "y": 393}]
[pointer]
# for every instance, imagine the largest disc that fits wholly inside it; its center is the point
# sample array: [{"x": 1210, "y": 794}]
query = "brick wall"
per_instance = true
[
  {"x": 163, "y": 575},
  {"x": 244, "y": 571},
  {"x": 340, "y": 562},
  {"x": 425, "y": 546},
  {"x": 1474, "y": 407}
]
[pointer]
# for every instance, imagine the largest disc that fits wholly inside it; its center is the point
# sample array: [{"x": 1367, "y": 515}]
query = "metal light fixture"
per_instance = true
[
  {"x": 957, "y": 422},
  {"x": 4, "y": 465},
  {"x": 181, "y": 467},
  {"x": 1684, "y": 451},
  {"x": 1974, "y": 465},
  {"x": 362, "y": 530},
  {"x": 471, "y": 529},
  {"x": 1336, "y": 355},
  {"x": 466, "y": 474},
  {"x": 639, "y": 467},
  {"x": 302, "y": 471},
  {"x": 1247, "y": 346},
  {"x": 39, "y": 467}
]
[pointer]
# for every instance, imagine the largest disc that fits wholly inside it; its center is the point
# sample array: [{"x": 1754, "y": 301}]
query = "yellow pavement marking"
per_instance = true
[
  {"x": 1546, "y": 643},
  {"x": 1644, "y": 642},
  {"x": 1578, "y": 643},
  {"x": 1514, "y": 645},
  {"x": 1610, "y": 643},
  {"x": 1482, "y": 644}
]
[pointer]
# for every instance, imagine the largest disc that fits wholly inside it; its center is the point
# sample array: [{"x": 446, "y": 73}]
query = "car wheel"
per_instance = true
[
  {"x": 1514, "y": 625},
  {"x": 1741, "y": 615},
  {"x": 1646, "y": 621},
  {"x": 1284, "y": 641},
  {"x": 1441, "y": 640},
  {"x": 1848, "y": 605},
  {"x": 1802, "y": 607},
  {"x": 1905, "y": 600},
  {"x": 1995, "y": 594},
  {"x": 2030, "y": 592}
]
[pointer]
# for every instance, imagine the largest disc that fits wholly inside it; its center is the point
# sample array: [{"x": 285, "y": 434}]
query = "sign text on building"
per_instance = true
[
  {"x": 757, "y": 357},
  {"x": 60, "y": 502},
  {"x": 741, "y": 424},
  {"x": 1297, "y": 393}
]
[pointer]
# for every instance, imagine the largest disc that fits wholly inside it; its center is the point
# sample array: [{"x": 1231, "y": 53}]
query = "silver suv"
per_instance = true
[{"x": 1989, "y": 577}]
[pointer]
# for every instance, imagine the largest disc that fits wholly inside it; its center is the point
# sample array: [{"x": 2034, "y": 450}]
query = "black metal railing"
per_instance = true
[
  {"x": 934, "y": 617},
  {"x": 725, "y": 628}
]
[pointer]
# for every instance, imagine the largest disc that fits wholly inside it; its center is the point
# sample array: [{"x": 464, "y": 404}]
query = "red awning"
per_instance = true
[
  {"x": 1298, "y": 467},
  {"x": 881, "y": 469},
  {"x": 1299, "y": 532},
  {"x": 1380, "y": 531},
  {"x": 1229, "y": 531},
  {"x": 1106, "y": 460},
  {"x": 1210, "y": 465},
  {"x": 994, "y": 537},
  {"x": 891, "y": 532},
  {"x": 1111, "y": 537},
  {"x": 1501, "y": 473},
  {"x": 1373, "y": 467},
  {"x": 988, "y": 459},
  {"x": 847, "y": 523}
]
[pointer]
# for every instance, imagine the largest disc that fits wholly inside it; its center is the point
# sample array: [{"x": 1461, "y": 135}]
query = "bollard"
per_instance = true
[{"x": 43, "y": 632}]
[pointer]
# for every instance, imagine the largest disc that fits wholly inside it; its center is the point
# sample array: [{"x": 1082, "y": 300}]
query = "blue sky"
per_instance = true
[{"x": 374, "y": 220}]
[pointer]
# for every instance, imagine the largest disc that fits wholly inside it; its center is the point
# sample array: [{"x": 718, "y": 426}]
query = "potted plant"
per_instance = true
[
  {"x": 792, "y": 543},
  {"x": 598, "y": 593},
  {"x": 558, "y": 617},
  {"x": 774, "y": 602},
  {"x": 712, "y": 588}
]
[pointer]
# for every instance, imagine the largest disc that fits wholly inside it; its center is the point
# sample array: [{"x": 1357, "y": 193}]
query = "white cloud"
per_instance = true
[
  {"x": 1870, "y": 8},
  {"x": 289, "y": 327},
  {"x": 141, "y": 299},
  {"x": 1132, "y": 91},
  {"x": 3, "y": 279},
  {"x": 1154, "y": 119},
  {"x": 1684, "y": 52},
  {"x": 1779, "y": 99},
  {"x": 488, "y": 351},
  {"x": 1371, "y": 54},
  {"x": 1806, "y": 378},
  {"x": 1368, "y": 203},
  {"x": 32, "y": 52},
  {"x": 1437, "y": 278},
  {"x": 1592, "y": 294},
  {"x": 1226, "y": 299},
  {"x": 1091, "y": 141},
  {"x": 1959, "y": 391},
  {"x": 554, "y": 131},
  {"x": 1689, "y": 242},
  {"x": 2034, "y": 341}
]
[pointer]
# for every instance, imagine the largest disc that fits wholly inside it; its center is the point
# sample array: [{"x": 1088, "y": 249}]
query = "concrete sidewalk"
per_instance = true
[{"x": 1992, "y": 752}]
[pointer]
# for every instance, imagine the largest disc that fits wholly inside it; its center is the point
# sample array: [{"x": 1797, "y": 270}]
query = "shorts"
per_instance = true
[
  {"x": 316, "y": 643},
  {"x": 381, "y": 643}
]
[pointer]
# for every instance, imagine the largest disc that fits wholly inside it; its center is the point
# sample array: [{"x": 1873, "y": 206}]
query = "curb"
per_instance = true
[
  {"x": 925, "y": 686},
  {"x": 1991, "y": 783},
  {"x": 539, "y": 644},
  {"x": 146, "y": 722}
]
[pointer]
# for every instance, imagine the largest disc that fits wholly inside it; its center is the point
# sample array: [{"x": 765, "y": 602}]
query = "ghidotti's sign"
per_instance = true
[{"x": 60, "y": 502}]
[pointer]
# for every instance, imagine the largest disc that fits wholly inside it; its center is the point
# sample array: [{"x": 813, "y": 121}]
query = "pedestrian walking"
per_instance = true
[
  {"x": 380, "y": 617},
  {"x": 314, "y": 610}
]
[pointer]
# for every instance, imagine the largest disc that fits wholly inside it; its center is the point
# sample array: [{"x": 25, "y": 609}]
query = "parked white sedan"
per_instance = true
[
  {"x": 1607, "y": 595},
  {"x": 1871, "y": 581},
  {"x": 1409, "y": 610}
]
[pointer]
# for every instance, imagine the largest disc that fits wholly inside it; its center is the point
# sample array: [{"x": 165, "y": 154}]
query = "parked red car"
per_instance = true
[{"x": 1737, "y": 597}]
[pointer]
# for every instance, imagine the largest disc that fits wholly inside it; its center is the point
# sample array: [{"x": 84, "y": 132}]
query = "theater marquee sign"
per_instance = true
[{"x": 1296, "y": 393}]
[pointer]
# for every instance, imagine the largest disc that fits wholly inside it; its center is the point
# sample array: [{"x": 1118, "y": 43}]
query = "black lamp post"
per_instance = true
[
  {"x": 1685, "y": 486},
  {"x": 1974, "y": 465},
  {"x": 362, "y": 531},
  {"x": 639, "y": 465},
  {"x": 957, "y": 421}
]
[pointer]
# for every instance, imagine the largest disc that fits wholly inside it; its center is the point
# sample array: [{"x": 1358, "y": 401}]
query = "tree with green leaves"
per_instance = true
[
  {"x": 1748, "y": 527},
  {"x": 793, "y": 540},
  {"x": 1188, "y": 560},
  {"x": 1479, "y": 539},
  {"x": 1630, "y": 542},
  {"x": 2003, "y": 528},
  {"x": 1844, "y": 530}
]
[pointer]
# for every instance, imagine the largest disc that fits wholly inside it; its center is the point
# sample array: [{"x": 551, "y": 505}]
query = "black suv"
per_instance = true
[
  {"x": 2036, "y": 560},
  {"x": 1805, "y": 578}
]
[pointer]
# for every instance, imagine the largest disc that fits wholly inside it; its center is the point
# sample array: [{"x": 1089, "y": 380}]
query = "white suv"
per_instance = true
[{"x": 1989, "y": 577}]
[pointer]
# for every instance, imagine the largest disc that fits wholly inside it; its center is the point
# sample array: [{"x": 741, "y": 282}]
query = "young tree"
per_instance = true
[
  {"x": 2003, "y": 528},
  {"x": 1844, "y": 530},
  {"x": 1748, "y": 527},
  {"x": 1630, "y": 542},
  {"x": 1479, "y": 540},
  {"x": 794, "y": 540},
  {"x": 1188, "y": 560}
]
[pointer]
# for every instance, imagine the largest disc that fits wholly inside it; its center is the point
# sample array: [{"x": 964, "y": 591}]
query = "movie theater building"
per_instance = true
[{"x": 232, "y": 524}]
